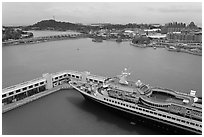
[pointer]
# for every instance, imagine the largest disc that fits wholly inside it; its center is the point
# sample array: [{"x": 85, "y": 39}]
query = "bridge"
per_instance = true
[{"x": 44, "y": 39}]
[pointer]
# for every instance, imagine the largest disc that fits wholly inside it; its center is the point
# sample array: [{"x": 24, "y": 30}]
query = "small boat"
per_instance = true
[
  {"x": 97, "y": 40},
  {"x": 138, "y": 45}
]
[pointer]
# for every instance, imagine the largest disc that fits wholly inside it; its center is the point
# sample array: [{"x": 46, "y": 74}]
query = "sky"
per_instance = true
[{"x": 28, "y": 13}]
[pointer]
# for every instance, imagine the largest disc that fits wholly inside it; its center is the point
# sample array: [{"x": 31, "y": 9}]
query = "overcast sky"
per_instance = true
[{"x": 110, "y": 12}]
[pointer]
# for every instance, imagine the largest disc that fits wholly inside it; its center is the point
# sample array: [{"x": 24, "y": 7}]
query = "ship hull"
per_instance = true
[{"x": 167, "y": 127}]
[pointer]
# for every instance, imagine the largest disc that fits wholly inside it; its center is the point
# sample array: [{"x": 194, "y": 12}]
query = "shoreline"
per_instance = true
[
  {"x": 37, "y": 40},
  {"x": 172, "y": 50}
]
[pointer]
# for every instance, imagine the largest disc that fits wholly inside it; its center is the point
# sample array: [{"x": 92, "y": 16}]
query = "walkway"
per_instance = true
[{"x": 19, "y": 103}]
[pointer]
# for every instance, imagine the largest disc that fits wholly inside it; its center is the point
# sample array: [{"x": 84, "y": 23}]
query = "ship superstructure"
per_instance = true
[
  {"x": 164, "y": 105},
  {"x": 161, "y": 105}
]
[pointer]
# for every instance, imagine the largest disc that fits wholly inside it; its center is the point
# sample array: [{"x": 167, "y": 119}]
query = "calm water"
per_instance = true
[{"x": 66, "y": 112}]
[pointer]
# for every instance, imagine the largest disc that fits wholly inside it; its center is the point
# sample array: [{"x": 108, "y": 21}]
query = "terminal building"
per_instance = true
[
  {"x": 46, "y": 82},
  {"x": 192, "y": 37}
]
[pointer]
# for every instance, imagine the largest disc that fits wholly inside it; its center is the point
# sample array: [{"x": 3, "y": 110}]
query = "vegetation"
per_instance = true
[
  {"x": 14, "y": 33},
  {"x": 54, "y": 25},
  {"x": 63, "y": 26},
  {"x": 141, "y": 40}
]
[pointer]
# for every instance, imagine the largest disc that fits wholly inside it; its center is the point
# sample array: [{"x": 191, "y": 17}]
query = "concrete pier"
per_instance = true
[
  {"x": 23, "y": 93},
  {"x": 34, "y": 97}
]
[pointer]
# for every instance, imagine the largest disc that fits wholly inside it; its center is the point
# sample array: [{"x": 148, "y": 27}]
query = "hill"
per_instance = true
[{"x": 54, "y": 25}]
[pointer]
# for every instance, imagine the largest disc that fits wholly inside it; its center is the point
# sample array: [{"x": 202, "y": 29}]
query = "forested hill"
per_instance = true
[
  {"x": 63, "y": 26},
  {"x": 54, "y": 25}
]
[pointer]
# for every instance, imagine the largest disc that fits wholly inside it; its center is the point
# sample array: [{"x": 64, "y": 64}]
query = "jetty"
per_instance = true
[{"x": 23, "y": 93}]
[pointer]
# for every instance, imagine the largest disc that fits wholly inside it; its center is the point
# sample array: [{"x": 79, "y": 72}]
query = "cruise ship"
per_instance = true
[{"x": 176, "y": 109}]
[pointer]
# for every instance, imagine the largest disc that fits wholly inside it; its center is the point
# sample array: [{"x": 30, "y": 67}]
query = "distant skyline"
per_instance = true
[{"x": 28, "y": 13}]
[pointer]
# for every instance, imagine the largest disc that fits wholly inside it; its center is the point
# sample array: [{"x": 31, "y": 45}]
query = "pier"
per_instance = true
[
  {"x": 44, "y": 39},
  {"x": 23, "y": 93}
]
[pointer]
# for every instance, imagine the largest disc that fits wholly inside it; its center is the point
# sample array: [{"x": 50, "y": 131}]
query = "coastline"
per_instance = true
[
  {"x": 36, "y": 40},
  {"x": 164, "y": 46},
  {"x": 43, "y": 39}
]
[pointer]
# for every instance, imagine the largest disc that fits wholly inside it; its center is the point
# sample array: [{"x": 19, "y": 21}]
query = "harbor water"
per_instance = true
[{"x": 66, "y": 111}]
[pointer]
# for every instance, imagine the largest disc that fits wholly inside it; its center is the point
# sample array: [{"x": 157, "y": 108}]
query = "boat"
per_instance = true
[
  {"x": 155, "y": 47},
  {"x": 165, "y": 106},
  {"x": 138, "y": 45},
  {"x": 97, "y": 40},
  {"x": 172, "y": 48}
]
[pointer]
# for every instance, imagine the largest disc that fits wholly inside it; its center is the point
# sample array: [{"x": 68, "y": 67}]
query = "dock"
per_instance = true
[
  {"x": 23, "y": 93},
  {"x": 34, "y": 97}
]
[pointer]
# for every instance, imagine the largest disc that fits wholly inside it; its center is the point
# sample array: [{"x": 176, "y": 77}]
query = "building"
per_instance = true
[
  {"x": 156, "y": 25},
  {"x": 180, "y": 32},
  {"x": 157, "y": 36},
  {"x": 129, "y": 33},
  {"x": 190, "y": 37},
  {"x": 173, "y": 27}
]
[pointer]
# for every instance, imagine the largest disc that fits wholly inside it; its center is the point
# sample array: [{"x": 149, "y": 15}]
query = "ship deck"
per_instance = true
[
  {"x": 163, "y": 99},
  {"x": 130, "y": 87},
  {"x": 160, "y": 96},
  {"x": 155, "y": 96}
]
